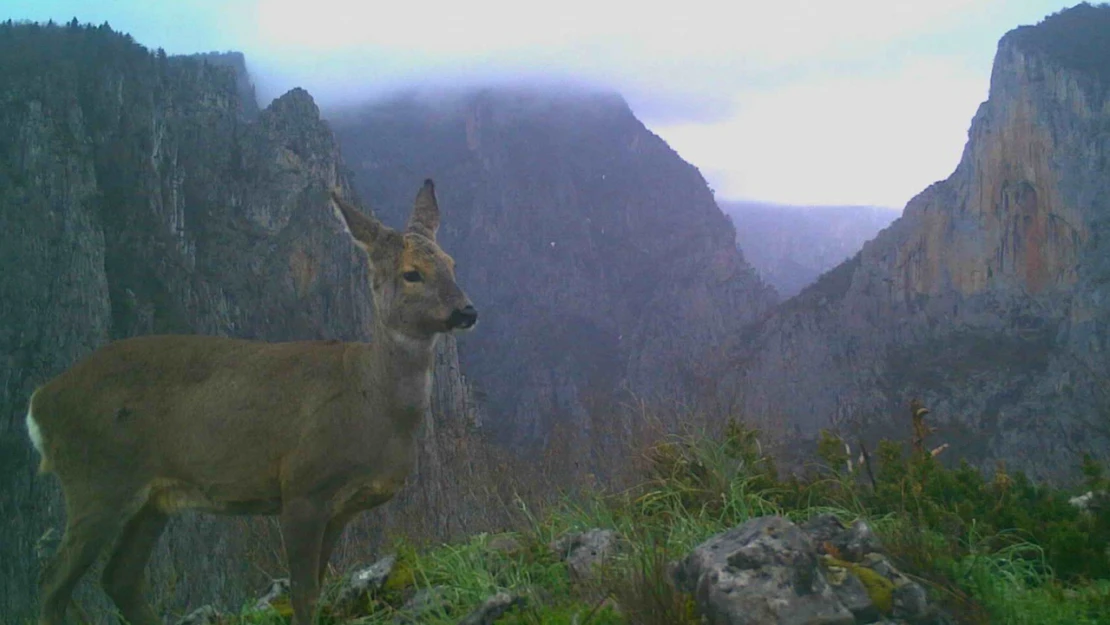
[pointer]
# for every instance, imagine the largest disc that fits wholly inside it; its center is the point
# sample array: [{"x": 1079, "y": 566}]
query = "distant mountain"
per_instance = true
[
  {"x": 790, "y": 246},
  {"x": 597, "y": 256},
  {"x": 990, "y": 297}
]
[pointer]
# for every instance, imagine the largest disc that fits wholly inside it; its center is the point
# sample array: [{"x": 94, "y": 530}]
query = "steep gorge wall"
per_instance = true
[{"x": 988, "y": 297}]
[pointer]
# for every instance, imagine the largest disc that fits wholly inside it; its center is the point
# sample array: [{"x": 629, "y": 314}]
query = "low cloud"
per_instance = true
[
  {"x": 872, "y": 139},
  {"x": 860, "y": 101}
]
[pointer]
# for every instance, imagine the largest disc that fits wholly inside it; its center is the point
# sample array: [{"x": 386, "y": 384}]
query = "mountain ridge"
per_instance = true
[{"x": 982, "y": 299}]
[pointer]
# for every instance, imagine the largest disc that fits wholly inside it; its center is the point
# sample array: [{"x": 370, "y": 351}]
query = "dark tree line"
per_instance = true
[{"x": 1077, "y": 38}]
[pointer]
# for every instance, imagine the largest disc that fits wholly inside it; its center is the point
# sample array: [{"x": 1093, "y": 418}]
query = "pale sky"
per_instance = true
[{"x": 785, "y": 101}]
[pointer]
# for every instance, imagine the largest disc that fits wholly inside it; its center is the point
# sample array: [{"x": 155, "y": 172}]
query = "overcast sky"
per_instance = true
[{"x": 787, "y": 101}]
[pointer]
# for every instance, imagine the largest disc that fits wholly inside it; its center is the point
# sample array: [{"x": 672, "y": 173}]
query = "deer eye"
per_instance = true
[{"x": 412, "y": 276}]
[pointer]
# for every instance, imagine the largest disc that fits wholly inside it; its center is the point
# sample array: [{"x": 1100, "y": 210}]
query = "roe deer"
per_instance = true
[{"x": 314, "y": 432}]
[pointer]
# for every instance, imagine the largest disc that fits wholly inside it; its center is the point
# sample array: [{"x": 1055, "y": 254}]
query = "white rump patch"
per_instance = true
[{"x": 34, "y": 432}]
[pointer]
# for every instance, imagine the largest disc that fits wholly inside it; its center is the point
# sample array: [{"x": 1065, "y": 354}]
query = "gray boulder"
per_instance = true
[
  {"x": 277, "y": 589},
  {"x": 362, "y": 583},
  {"x": 859, "y": 541},
  {"x": 852, "y": 594},
  {"x": 824, "y": 528},
  {"x": 583, "y": 551},
  {"x": 764, "y": 571},
  {"x": 420, "y": 605},
  {"x": 206, "y": 615},
  {"x": 911, "y": 603},
  {"x": 493, "y": 608},
  {"x": 851, "y": 543}
]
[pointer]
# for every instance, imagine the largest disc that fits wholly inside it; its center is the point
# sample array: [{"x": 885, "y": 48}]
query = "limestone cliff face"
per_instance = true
[
  {"x": 988, "y": 297},
  {"x": 1014, "y": 222},
  {"x": 139, "y": 194},
  {"x": 596, "y": 256}
]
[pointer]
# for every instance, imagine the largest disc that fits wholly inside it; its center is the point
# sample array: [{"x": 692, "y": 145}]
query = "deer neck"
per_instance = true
[{"x": 398, "y": 369}]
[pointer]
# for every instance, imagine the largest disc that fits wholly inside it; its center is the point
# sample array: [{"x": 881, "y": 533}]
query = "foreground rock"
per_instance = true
[
  {"x": 423, "y": 604},
  {"x": 364, "y": 587},
  {"x": 1091, "y": 502},
  {"x": 765, "y": 571},
  {"x": 278, "y": 589},
  {"x": 584, "y": 551},
  {"x": 206, "y": 615},
  {"x": 493, "y": 608},
  {"x": 769, "y": 570},
  {"x": 362, "y": 584},
  {"x": 831, "y": 537}
]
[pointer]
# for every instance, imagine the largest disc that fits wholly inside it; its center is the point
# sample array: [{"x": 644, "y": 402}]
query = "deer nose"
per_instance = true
[{"x": 464, "y": 318}]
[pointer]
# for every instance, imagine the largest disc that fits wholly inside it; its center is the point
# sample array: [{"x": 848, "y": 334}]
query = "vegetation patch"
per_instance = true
[{"x": 988, "y": 548}]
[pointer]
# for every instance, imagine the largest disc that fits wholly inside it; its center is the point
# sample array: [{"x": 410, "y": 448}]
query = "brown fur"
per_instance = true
[{"x": 312, "y": 431}]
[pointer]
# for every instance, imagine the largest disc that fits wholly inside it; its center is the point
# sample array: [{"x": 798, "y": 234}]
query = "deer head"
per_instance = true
[{"x": 412, "y": 279}]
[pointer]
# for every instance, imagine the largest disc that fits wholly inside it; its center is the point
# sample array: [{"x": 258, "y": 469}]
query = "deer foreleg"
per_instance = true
[{"x": 303, "y": 523}]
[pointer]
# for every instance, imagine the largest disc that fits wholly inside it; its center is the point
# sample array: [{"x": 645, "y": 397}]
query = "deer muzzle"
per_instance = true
[{"x": 462, "y": 318}]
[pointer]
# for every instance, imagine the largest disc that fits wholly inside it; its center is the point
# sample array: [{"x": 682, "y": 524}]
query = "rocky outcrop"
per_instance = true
[
  {"x": 585, "y": 551},
  {"x": 362, "y": 584},
  {"x": 987, "y": 298},
  {"x": 791, "y": 246},
  {"x": 769, "y": 570},
  {"x": 206, "y": 615},
  {"x": 765, "y": 571},
  {"x": 597, "y": 255},
  {"x": 237, "y": 62},
  {"x": 383, "y": 588},
  {"x": 137, "y": 197},
  {"x": 493, "y": 608}
]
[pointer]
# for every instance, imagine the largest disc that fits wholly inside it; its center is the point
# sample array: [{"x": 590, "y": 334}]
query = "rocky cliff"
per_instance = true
[
  {"x": 597, "y": 256},
  {"x": 988, "y": 297},
  {"x": 791, "y": 246},
  {"x": 137, "y": 197},
  {"x": 237, "y": 62}
]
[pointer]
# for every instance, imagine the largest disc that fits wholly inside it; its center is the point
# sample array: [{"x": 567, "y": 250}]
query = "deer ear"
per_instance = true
[
  {"x": 367, "y": 232},
  {"x": 425, "y": 212}
]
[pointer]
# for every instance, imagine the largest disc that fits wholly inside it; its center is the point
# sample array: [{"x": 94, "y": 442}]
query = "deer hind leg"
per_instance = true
[
  {"x": 123, "y": 578},
  {"x": 93, "y": 523}
]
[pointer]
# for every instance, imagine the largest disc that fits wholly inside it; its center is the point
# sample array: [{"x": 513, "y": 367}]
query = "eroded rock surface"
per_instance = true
[
  {"x": 769, "y": 570},
  {"x": 583, "y": 551}
]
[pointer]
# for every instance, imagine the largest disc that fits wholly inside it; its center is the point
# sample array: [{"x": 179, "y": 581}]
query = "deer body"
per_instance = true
[
  {"x": 312, "y": 431},
  {"x": 166, "y": 410}
]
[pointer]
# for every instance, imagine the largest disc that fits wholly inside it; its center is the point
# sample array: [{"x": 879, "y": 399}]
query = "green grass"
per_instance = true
[{"x": 996, "y": 549}]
